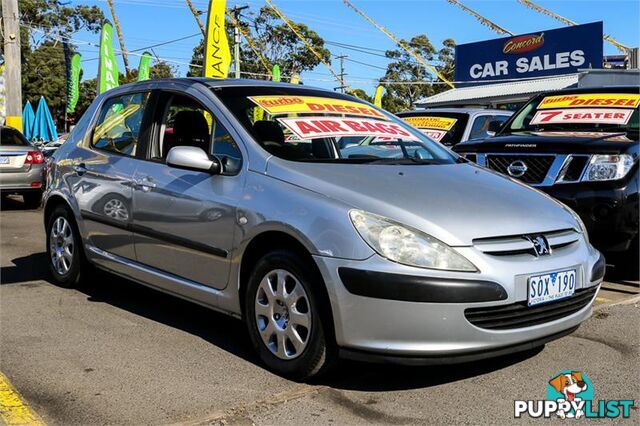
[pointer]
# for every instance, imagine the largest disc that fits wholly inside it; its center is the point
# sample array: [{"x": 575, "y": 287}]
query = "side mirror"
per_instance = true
[
  {"x": 193, "y": 158},
  {"x": 494, "y": 127}
]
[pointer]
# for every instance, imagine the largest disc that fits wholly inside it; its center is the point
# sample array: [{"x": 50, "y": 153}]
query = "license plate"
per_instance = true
[
  {"x": 552, "y": 286},
  {"x": 4, "y": 160}
]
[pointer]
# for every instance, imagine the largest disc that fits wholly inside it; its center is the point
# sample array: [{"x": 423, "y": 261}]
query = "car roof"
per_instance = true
[
  {"x": 232, "y": 82},
  {"x": 458, "y": 110}
]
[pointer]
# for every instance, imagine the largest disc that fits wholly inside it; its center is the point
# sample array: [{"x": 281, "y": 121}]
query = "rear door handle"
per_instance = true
[{"x": 80, "y": 169}]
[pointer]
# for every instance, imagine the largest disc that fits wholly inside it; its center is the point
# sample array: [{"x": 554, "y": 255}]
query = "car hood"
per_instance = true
[
  {"x": 454, "y": 202},
  {"x": 552, "y": 142}
]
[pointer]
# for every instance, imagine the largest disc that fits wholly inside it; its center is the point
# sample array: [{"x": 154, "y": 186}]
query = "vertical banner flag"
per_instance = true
[
  {"x": 377, "y": 100},
  {"x": 217, "y": 56},
  {"x": 295, "y": 78},
  {"x": 73, "y": 83},
  {"x": 108, "y": 67},
  {"x": 276, "y": 73},
  {"x": 144, "y": 67}
]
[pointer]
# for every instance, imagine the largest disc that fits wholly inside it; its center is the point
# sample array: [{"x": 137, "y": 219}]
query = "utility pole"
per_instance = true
[
  {"x": 342, "y": 74},
  {"x": 196, "y": 14},
  {"x": 235, "y": 11},
  {"x": 13, "y": 76},
  {"x": 116, "y": 24}
]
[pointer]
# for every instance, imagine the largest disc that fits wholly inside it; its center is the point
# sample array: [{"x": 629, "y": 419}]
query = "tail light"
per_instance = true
[{"x": 34, "y": 157}]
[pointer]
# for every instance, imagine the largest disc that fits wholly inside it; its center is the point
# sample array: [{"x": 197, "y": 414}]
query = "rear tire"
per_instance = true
[
  {"x": 284, "y": 315},
  {"x": 65, "y": 253},
  {"x": 32, "y": 200}
]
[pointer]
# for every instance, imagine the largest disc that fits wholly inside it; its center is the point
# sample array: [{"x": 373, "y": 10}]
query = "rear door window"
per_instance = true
[{"x": 119, "y": 123}]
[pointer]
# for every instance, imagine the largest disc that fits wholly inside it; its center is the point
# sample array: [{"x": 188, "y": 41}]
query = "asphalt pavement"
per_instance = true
[{"x": 115, "y": 352}]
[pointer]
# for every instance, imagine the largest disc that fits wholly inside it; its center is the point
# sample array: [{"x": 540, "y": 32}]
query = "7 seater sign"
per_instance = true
[{"x": 544, "y": 53}]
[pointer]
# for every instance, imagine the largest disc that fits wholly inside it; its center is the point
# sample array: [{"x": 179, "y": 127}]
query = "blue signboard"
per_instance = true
[{"x": 545, "y": 53}]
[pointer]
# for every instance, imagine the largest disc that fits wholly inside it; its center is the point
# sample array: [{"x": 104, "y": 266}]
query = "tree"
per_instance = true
[
  {"x": 45, "y": 24},
  {"x": 44, "y": 74},
  {"x": 404, "y": 68},
  {"x": 160, "y": 69},
  {"x": 277, "y": 43}
]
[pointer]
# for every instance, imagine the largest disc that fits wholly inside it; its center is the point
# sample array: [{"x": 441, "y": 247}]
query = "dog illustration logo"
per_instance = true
[{"x": 570, "y": 385}]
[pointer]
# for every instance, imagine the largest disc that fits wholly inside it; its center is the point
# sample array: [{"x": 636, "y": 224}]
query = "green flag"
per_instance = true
[
  {"x": 108, "y": 67},
  {"x": 73, "y": 85},
  {"x": 276, "y": 73},
  {"x": 143, "y": 68}
]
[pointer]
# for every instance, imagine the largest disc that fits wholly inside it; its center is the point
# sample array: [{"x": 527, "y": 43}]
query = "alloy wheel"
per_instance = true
[
  {"x": 283, "y": 314},
  {"x": 61, "y": 245}
]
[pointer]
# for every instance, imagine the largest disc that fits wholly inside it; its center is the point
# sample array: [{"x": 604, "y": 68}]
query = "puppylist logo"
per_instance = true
[{"x": 570, "y": 396}]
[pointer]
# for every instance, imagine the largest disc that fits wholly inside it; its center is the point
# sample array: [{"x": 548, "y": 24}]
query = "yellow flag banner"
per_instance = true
[
  {"x": 377, "y": 99},
  {"x": 217, "y": 56}
]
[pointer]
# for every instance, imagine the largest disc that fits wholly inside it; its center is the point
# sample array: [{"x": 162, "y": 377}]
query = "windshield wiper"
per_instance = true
[{"x": 404, "y": 161}]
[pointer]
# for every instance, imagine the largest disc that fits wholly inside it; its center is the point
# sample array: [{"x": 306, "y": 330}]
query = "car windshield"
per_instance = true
[
  {"x": 444, "y": 127},
  {"x": 318, "y": 126},
  {"x": 579, "y": 113},
  {"x": 11, "y": 137}
]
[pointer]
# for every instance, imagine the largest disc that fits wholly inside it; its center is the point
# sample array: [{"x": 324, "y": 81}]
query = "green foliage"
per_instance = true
[
  {"x": 361, "y": 94},
  {"x": 158, "y": 70},
  {"x": 276, "y": 42},
  {"x": 404, "y": 68},
  {"x": 44, "y": 74}
]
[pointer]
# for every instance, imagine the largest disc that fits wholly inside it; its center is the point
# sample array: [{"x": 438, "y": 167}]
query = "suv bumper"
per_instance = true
[{"x": 609, "y": 210}]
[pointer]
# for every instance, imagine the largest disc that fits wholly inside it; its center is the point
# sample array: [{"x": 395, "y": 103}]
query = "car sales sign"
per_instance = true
[{"x": 544, "y": 53}]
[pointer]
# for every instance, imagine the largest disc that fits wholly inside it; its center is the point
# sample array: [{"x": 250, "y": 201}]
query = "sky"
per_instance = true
[{"x": 149, "y": 22}]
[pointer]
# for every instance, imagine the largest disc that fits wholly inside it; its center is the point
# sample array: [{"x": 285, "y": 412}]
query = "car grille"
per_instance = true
[
  {"x": 517, "y": 245},
  {"x": 519, "y": 315},
  {"x": 537, "y": 165}
]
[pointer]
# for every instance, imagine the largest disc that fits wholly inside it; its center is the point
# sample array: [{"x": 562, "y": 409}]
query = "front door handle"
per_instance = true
[{"x": 80, "y": 169}]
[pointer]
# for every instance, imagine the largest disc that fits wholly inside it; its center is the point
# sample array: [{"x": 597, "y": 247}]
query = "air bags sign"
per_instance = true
[{"x": 545, "y": 53}]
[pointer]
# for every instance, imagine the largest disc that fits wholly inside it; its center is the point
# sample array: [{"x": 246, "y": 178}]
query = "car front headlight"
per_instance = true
[
  {"x": 608, "y": 167},
  {"x": 408, "y": 246}
]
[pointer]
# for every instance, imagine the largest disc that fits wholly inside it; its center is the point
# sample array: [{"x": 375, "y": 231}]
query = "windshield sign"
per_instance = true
[
  {"x": 323, "y": 127},
  {"x": 434, "y": 127},
  {"x": 606, "y": 100},
  {"x": 304, "y": 104},
  {"x": 582, "y": 115}
]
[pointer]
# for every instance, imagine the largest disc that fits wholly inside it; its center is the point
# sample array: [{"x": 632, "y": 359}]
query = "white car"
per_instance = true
[{"x": 450, "y": 126}]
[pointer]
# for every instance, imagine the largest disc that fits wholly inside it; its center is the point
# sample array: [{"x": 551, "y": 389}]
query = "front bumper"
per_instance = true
[
  {"x": 609, "y": 210},
  {"x": 427, "y": 330}
]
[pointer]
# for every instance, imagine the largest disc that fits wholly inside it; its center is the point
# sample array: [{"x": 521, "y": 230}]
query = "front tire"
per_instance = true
[
  {"x": 64, "y": 249},
  {"x": 283, "y": 312}
]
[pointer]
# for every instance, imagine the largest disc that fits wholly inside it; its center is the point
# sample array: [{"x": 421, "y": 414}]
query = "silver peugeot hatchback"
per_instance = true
[{"x": 235, "y": 195}]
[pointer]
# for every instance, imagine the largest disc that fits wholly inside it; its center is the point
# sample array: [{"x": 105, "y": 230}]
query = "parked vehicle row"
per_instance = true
[{"x": 237, "y": 195}]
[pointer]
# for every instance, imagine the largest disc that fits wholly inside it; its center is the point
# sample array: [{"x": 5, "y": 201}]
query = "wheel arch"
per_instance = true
[{"x": 273, "y": 240}]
